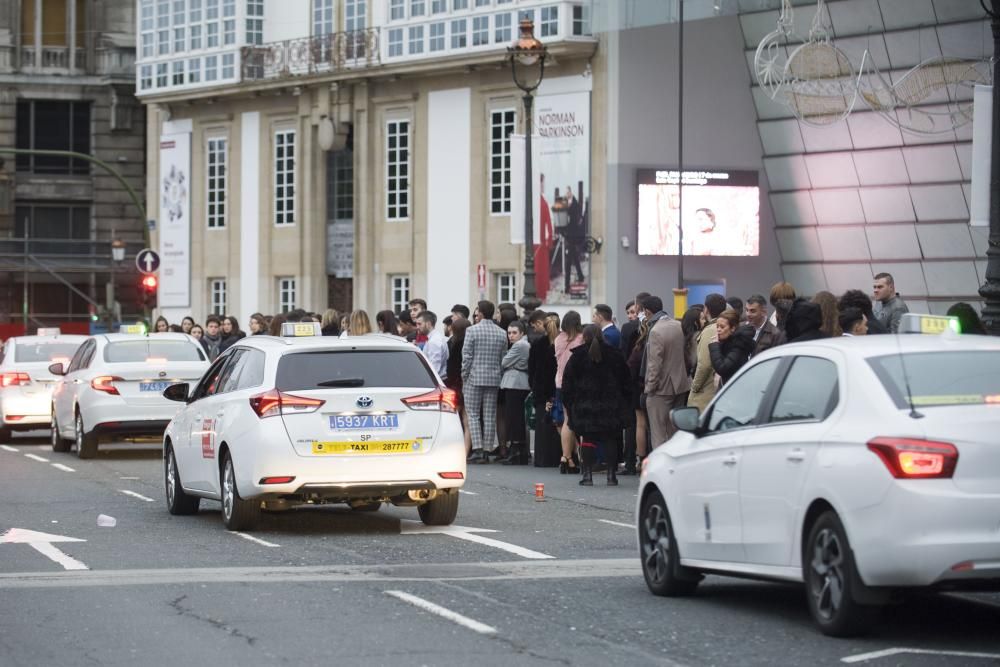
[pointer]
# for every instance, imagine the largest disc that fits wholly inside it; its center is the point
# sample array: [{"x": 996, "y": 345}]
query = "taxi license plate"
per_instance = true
[
  {"x": 371, "y": 447},
  {"x": 363, "y": 422},
  {"x": 154, "y": 386}
]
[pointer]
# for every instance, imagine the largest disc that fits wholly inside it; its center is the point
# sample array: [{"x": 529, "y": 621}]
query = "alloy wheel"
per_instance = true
[
  {"x": 171, "y": 477},
  {"x": 827, "y": 583},
  {"x": 228, "y": 490},
  {"x": 54, "y": 438},
  {"x": 656, "y": 543},
  {"x": 79, "y": 432}
]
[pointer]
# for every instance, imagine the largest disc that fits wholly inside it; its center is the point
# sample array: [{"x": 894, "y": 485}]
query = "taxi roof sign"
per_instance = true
[
  {"x": 48, "y": 331},
  {"x": 300, "y": 329},
  {"x": 928, "y": 324},
  {"x": 133, "y": 329}
]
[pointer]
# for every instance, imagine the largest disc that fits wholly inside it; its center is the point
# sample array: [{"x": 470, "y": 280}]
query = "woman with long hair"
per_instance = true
[
  {"x": 542, "y": 380},
  {"x": 196, "y": 332},
  {"x": 186, "y": 324},
  {"x": 514, "y": 389},
  {"x": 638, "y": 386},
  {"x": 831, "y": 314},
  {"x": 387, "y": 322},
  {"x": 569, "y": 338},
  {"x": 733, "y": 346},
  {"x": 968, "y": 319},
  {"x": 597, "y": 396},
  {"x": 330, "y": 323},
  {"x": 162, "y": 325},
  {"x": 691, "y": 324},
  {"x": 258, "y": 325},
  {"x": 359, "y": 324},
  {"x": 453, "y": 379},
  {"x": 230, "y": 333},
  {"x": 274, "y": 328}
]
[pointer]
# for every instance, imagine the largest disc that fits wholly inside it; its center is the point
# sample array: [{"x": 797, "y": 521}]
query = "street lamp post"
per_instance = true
[
  {"x": 990, "y": 290},
  {"x": 117, "y": 256},
  {"x": 527, "y": 65}
]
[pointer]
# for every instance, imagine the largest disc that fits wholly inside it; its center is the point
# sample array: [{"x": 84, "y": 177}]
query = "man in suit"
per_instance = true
[
  {"x": 667, "y": 381},
  {"x": 483, "y": 351},
  {"x": 604, "y": 318},
  {"x": 630, "y": 329},
  {"x": 766, "y": 335}
]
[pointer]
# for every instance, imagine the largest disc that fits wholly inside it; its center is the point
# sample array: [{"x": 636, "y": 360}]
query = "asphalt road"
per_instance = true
[{"x": 514, "y": 582}]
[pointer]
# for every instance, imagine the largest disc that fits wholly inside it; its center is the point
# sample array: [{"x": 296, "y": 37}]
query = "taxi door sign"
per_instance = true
[{"x": 208, "y": 439}]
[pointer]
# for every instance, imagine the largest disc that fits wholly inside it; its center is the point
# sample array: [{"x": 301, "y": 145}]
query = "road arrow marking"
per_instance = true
[
  {"x": 885, "y": 653},
  {"x": 8, "y": 448},
  {"x": 136, "y": 495},
  {"x": 616, "y": 523},
  {"x": 257, "y": 540},
  {"x": 408, "y": 527},
  {"x": 438, "y": 610},
  {"x": 60, "y": 466},
  {"x": 42, "y": 543},
  {"x": 35, "y": 457}
]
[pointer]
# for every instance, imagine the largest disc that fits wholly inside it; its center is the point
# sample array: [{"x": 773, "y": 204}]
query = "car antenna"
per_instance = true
[{"x": 906, "y": 381}]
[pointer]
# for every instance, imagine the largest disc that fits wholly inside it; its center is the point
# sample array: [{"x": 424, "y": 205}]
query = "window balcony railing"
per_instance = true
[
  {"x": 52, "y": 58},
  {"x": 311, "y": 55}
]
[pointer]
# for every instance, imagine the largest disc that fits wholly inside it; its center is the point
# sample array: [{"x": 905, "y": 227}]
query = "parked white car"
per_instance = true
[
  {"x": 859, "y": 466},
  {"x": 113, "y": 387},
  {"x": 278, "y": 422},
  {"x": 25, "y": 381}
]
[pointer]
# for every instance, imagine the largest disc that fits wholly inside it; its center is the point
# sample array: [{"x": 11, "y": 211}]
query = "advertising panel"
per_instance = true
[{"x": 175, "y": 221}]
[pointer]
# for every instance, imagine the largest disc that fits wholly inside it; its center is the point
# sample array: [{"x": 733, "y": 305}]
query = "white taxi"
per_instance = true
[
  {"x": 858, "y": 466},
  {"x": 305, "y": 419},
  {"x": 113, "y": 387},
  {"x": 25, "y": 381}
]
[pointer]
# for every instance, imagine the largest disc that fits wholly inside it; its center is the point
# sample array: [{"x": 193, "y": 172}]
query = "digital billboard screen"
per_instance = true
[{"x": 721, "y": 213}]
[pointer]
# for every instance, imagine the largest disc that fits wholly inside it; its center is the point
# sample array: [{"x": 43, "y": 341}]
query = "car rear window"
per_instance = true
[
  {"x": 352, "y": 369},
  {"x": 130, "y": 351},
  {"x": 940, "y": 378},
  {"x": 33, "y": 352}
]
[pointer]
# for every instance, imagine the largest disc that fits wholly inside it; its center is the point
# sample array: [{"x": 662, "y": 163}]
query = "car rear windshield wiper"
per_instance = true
[{"x": 342, "y": 382}]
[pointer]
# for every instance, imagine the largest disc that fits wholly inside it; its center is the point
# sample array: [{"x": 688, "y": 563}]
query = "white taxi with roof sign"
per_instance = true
[
  {"x": 25, "y": 381},
  {"x": 113, "y": 387},
  {"x": 307, "y": 419}
]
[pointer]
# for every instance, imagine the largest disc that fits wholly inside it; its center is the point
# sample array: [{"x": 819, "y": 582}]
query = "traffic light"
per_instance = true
[{"x": 147, "y": 289}]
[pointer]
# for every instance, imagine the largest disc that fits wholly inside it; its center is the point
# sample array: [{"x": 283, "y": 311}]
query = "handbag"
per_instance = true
[{"x": 529, "y": 411}]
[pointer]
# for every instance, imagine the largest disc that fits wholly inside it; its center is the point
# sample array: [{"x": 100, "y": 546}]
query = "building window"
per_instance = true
[
  {"x": 399, "y": 286},
  {"x": 397, "y": 10},
  {"x": 526, "y": 14},
  {"x": 194, "y": 12},
  {"x": 482, "y": 3},
  {"x": 228, "y": 65},
  {"x": 211, "y": 10},
  {"x": 480, "y": 30},
  {"x": 53, "y": 125},
  {"x": 286, "y": 295},
  {"x": 439, "y": 6},
  {"x": 416, "y": 39},
  {"x": 284, "y": 177},
  {"x": 163, "y": 14},
  {"x": 147, "y": 45},
  {"x": 458, "y": 37},
  {"x": 581, "y": 20},
  {"x": 255, "y": 21},
  {"x": 506, "y": 287},
  {"x": 215, "y": 183},
  {"x": 178, "y": 40},
  {"x": 213, "y": 35},
  {"x": 417, "y": 7},
  {"x": 146, "y": 26},
  {"x": 437, "y": 37},
  {"x": 161, "y": 75},
  {"x": 340, "y": 185},
  {"x": 322, "y": 17},
  {"x": 502, "y": 123},
  {"x": 550, "y": 21},
  {"x": 229, "y": 8},
  {"x": 229, "y": 32},
  {"x": 178, "y": 73},
  {"x": 459, "y": 5},
  {"x": 146, "y": 77},
  {"x": 195, "y": 37},
  {"x": 354, "y": 15},
  {"x": 194, "y": 70},
  {"x": 502, "y": 34},
  {"x": 163, "y": 42},
  {"x": 217, "y": 296},
  {"x": 211, "y": 68},
  {"x": 397, "y": 160},
  {"x": 395, "y": 42}
]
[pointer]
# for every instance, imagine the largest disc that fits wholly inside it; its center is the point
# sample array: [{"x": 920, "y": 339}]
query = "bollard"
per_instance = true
[{"x": 540, "y": 492}]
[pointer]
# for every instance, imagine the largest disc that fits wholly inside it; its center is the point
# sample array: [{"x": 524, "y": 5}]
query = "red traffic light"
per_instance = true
[{"x": 149, "y": 283}]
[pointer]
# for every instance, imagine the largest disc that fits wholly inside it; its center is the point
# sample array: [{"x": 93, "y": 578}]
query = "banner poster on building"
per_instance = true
[
  {"x": 175, "y": 221},
  {"x": 561, "y": 170}
]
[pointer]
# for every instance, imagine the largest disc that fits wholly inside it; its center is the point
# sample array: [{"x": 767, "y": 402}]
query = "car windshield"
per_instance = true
[
  {"x": 940, "y": 378},
  {"x": 354, "y": 368},
  {"x": 47, "y": 351},
  {"x": 131, "y": 351}
]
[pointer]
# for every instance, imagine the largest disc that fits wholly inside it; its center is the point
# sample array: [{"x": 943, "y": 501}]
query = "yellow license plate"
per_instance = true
[{"x": 376, "y": 447}]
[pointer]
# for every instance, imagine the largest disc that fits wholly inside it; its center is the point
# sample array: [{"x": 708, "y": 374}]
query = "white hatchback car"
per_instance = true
[
  {"x": 113, "y": 387},
  {"x": 859, "y": 466},
  {"x": 278, "y": 422},
  {"x": 25, "y": 381}
]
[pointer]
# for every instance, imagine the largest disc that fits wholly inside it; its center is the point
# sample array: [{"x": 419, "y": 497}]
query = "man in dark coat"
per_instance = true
[{"x": 804, "y": 322}]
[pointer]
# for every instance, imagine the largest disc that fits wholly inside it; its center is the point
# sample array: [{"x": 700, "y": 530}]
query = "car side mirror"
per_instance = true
[
  {"x": 177, "y": 392},
  {"x": 686, "y": 419},
  {"x": 57, "y": 369}
]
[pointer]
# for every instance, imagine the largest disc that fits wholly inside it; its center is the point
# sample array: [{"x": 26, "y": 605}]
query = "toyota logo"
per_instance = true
[{"x": 364, "y": 401}]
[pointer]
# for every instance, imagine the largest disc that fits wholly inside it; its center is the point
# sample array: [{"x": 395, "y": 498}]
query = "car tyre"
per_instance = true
[
  {"x": 832, "y": 580},
  {"x": 661, "y": 560},
  {"x": 178, "y": 501},
  {"x": 86, "y": 443},
  {"x": 237, "y": 512},
  {"x": 440, "y": 511},
  {"x": 59, "y": 443},
  {"x": 374, "y": 506}
]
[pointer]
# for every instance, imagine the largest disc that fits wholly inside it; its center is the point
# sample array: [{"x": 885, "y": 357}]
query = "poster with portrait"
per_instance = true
[{"x": 175, "y": 221}]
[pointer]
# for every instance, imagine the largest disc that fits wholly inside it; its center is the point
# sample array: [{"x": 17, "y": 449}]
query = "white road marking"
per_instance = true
[
  {"x": 259, "y": 541},
  {"x": 8, "y": 448},
  {"x": 452, "y": 616},
  {"x": 506, "y": 546},
  {"x": 616, "y": 523},
  {"x": 874, "y": 655},
  {"x": 468, "y": 493},
  {"x": 42, "y": 543},
  {"x": 129, "y": 478},
  {"x": 136, "y": 495},
  {"x": 34, "y": 457},
  {"x": 408, "y": 527},
  {"x": 67, "y": 561},
  {"x": 62, "y": 467}
]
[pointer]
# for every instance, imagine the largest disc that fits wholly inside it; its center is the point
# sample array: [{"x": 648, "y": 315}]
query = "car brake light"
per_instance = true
[
  {"x": 445, "y": 400},
  {"x": 104, "y": 383},
  {"x": 13, "y": 379},
  {"x": 451, "y": 475},
  {"x": 908, "y": 458},
  {"x": 276, "y": 480},
  {"x": 156, "y": 360},
  {"x": 14, "y": 418},
  {"x": 273, "y": 403}
]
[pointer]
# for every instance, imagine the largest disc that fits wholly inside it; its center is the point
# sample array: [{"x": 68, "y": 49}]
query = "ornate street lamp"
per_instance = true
[
  {"x": 527, "y": 66},
  {"x": 990, "y": 290}
]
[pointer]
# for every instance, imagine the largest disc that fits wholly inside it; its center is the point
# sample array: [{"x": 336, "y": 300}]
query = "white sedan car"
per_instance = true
[
  {"x": 113, "y": 387},
  {"x": 278, "y": 422},
  {"x": 858, "y": 466},
  {"x": 25, "y": 381}
]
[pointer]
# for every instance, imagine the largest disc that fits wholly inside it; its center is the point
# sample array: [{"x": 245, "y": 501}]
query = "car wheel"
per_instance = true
[
  {"x": 832, "y": 580},
  {"x": 440, "y": 511},
  {"x": 59, "y": 443},
  {"x": 661, "y": 561},
  {"x": 237, "y": 513},
  {"x": 86, "y": 443},
  {"x": 366, "y": 507},
  {"x": 178, "y": 502}
]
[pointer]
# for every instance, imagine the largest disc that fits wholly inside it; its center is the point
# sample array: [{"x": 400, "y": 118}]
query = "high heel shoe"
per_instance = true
[{"x": 563, "y": 466}]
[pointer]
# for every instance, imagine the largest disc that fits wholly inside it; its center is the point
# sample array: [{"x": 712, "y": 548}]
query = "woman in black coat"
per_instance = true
[
  {"x": 542, "y": 380},
  {"x": 597, "y": 392},
  {"x": 231, "y": 333},
  {"x": 734, "y": 347}
]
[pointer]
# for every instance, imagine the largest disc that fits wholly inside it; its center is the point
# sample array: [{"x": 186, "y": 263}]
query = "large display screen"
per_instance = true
[{"x": 721, "y": 213}]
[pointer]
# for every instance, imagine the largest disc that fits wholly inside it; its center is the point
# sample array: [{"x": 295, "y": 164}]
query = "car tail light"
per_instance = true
[
  {"x": 14, "y": 418},
  {"x": 105, "y": 383},
  {"x": 276, "y": 480},
  {"x": 13, "y": 379},
  {"x": 445, "y": 400},
  {"x": 451, "y": 475},
  {"x": 273, "y": 403},
  {"x": 908, "y": 458}
]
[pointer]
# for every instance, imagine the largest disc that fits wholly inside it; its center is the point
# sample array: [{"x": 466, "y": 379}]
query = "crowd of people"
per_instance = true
[{"x": 597, "y": 397}]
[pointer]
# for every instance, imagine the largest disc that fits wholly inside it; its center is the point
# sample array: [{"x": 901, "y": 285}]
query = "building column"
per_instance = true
[
  {"x": 38, "y": 34},
  {"x": 71, "y": 32},
  {"x": 250, "y": 214}
]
